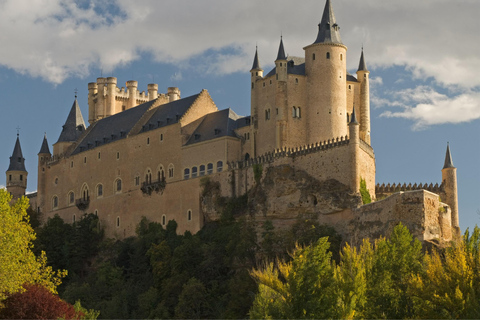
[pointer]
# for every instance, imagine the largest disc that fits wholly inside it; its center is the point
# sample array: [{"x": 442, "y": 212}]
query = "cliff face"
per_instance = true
[{"x": 283, "y": 194}]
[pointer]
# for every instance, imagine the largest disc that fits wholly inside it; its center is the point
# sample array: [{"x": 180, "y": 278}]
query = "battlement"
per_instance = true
[
  {"x": 393, "y": 188},
  {"x": 270, "y": 157}
]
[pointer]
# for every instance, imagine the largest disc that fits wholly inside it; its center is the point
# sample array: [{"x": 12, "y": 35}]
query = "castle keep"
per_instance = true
[{"x": 144, "y": 154}]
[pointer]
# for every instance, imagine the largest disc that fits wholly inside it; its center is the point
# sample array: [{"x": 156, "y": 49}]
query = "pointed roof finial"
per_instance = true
[
  {"x": 362, "y": 66},
  {"x": 256, "y": 63},
  {"x": 353, "y": 119},
  {"x": 45, "y": 148},
  {"x": 281, "y": 51},
  {"x": 17, "y": 162},
  {"x": 328, "y": 29},
  {"x": 448, "y": 159}
]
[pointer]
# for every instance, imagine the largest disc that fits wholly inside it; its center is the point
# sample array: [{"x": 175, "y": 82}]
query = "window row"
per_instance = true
[
  {"x": 296, "y": 112},
  {"x": 200, "y": 171},
  {"x": 327, "y": 56}
]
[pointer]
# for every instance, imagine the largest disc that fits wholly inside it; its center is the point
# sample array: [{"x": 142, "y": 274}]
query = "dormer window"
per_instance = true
[
  {"x": 150, "y": 126},
  {"x": 168, "y": 120},
  {"x": 104, "y": 140},
  {"x": 113, "y": 136},
  {"x": 122, "y": 134},
  {"x": 197, "y": 136},
  {"x": 177, "y": 117},
  {"x": 217, "y": 132}
]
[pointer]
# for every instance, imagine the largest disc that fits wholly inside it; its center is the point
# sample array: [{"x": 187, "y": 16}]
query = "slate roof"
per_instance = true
[
  {"x": 448, "y": 159},
  {"x": 215, "y": 125},
  {"x": 17, "y": 162},
  {"x": 353, "y": 120},
  {"x": 362, "y": 66},
  {"x": 74, "y": 126},
  {"x": 328, "y": 29},
  {"x": 118, "y": 126},
  {"x": 44, "y": 148},
  {"x": 243, "y": 122},
  {"x": 256, "y": 63},
  {"x": 351, "y": 78},
  {"x": 281, "y": 51},
  {"x": 295, "y": 65}
]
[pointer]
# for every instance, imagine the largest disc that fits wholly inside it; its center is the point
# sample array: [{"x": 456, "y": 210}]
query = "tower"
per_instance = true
[
  {"x": 354, "y": 134},
  {"x": 43, "y": 157},
  {"x": 16, "y": 173},
  {"x": 449, "y": 181},
  {"x": 364, "y": 100},
  {"x": 72, "y": 129},
  {"x": 325, "y": 69},
  {"x": 281, "y": 107},
  {"x": 256, "y": 74}
]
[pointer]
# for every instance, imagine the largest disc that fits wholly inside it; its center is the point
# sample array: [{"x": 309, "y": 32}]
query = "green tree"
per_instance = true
[
  {"x": 192, "y": 302},
  {"x": 18, "y": 264}
]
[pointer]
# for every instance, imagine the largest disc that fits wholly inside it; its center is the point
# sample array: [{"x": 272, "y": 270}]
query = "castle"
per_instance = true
[{"x": 143, "y": 154}]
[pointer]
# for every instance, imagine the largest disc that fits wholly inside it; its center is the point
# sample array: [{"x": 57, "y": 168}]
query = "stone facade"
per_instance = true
[{"x": 144, "y": 154}]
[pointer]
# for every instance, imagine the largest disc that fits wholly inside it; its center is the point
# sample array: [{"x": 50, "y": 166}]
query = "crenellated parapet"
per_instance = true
[{"x": 389, "y": 189}]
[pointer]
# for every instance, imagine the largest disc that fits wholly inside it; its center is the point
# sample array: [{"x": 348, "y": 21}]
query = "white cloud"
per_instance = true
[{"x": 426, "y": 107}]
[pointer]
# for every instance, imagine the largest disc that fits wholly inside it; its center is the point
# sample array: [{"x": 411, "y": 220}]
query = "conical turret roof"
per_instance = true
[
  {"x": 281, "y": 51},
  {"x": 328, "y": 29},
  {"x": 353, "y": 119},
  {"x": 448, "y": 159},
  {"x": 44, "y": 148},
  {"x": 17, "y": 162},
  {"x": 74, "y": 126},
  {"x": 362, "y": 66},
  {"x": 256, "y": 63}
]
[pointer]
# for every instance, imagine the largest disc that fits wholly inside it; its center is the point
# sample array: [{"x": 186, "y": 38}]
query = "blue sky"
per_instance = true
[{"x": 423, "y": 56}]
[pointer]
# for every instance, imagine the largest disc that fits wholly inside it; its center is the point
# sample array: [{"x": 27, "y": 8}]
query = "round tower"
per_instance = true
[
  {"x": 100, "y": 105},
  {"x": 16, "y": 173},
  {"x": 132, "y": 93},
  {"x": 325, "y": 68},
  {"x": 173, "y": 94},
  {"x": 354, "y": 144},
  {"x": 43, "y": 157},
  {"x": 110, "y": 97},
  {"x": 152, "y": 91},
  {"x": 364, "y": 100},
  {"x": 281, "y": 63},
  {"x": 449, "y": 183},
  {"x": 92, "y": 93},
  {"x": 256, "y": 74}
]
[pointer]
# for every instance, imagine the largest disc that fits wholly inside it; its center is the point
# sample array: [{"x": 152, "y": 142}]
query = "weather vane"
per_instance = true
[
  {"x": 76, "y": 91},
  {"x": 18, "y": 131}
]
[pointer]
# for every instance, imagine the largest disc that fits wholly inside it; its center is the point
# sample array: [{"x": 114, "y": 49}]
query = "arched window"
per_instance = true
[
  {"x": 164, "y": 220},
  {"x": 202, "y": 170},
  {"x": 189, "y": 215},
  {"x": 186, "y": 173},
  {"x": 148, "y": 176},
  {"x": 294, "y": 112},
  {"x": 219, "y": 166},
  {"x": 54, "y": 202},
  {"x": 194, "y": 172},
  {"x": 85, "y": 194},
  {"x": 170, "y": 170},
  {"x": 99, "y": 190},
  {"x": 71, "y": 198},
  {"x": 299, "y": 112},
  {"x": 118, "y": 185},
  {"x": 210, "y": 168}
]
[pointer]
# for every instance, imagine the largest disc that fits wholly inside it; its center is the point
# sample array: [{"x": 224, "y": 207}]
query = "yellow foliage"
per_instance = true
[{"x": 18, "y": 264}]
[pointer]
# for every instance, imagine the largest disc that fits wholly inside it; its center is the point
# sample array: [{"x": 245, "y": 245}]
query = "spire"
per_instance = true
[
  {"x": 328, "y": 29},
  {"x": 448, "y": 159},
  {"x": 281, "y": 51},
  {"x": 256, "y": 63},
  {"x": 74, "y": 126},
  {"x": 353, "y": 119},
  {"x": 362, "y": 66},
  {"x": 17, "y": 162},
  {"x": 44, "y": 148}
]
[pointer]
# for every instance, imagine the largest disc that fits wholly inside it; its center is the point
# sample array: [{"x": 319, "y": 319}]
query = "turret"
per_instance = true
[
  {"x": 449, "y": 181},
  {"x": 325, "y": 69},
  {"x": 256, "y": 74},
  {"x": 101, "y": 103},
  {"x": 173, "y": 94},
  {"x": 281, "y": 63},
  {"x": 110, "y": 97},
  {"x": 72, "y": 129},
  {"x": 92, "y": 95},
  {"x": 364, "y": 100},
  {"x": 43, "y": 157},
  {"x": 16, "y": 173},
  {"x": 152, "y": 91},
  {"x": 354, "y": 144},
  {"x": 132, "y": 93}
]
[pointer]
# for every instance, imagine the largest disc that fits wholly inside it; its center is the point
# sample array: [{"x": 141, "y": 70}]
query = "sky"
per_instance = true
[{"x": 423, "y": 58}]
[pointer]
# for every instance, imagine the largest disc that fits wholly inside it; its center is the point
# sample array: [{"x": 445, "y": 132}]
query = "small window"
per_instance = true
[
  {"x": 71, "y": 198},
  {"x": 55, "y": 202},
  {"x": 99, "y": 190},
  {"x": 276, "y": 76},
  {"x": 118, "y": 185},
  {"x": 194, "y": 172},
  {"x": 219, "y": 166},
  {"x": 313, "y": 56},
  {"x": 170, "y": 172},
  {"x": 349, "y": 87},
  {"x": 252, "y": 85},
  {"x": 197, "y": 136},
  {"x": 96, "y": 212},
  {"x": 118, "y": 155},
  {"x": 294, "y": 112},
  {"x": 328, "y": 55},
  {"x": 210, "y": 168},
  {"x": 296, "y": 80},
  {"x": 217, "y": 132},
  {"x": 10, "y": 177},
  {"x": 161, "y": 136},
  {"x": 118, "y": 222},
  {"x": 71, "y": 164},
  {"x": 277, "y": 110},
  {"x": 137, "y": 180},
  {"x": 299, "y": 113},
  {"x": 56, "y": 181},
  {"x": 202, "y": 170},
  {"x": 186, "y": 173},
  {"x": 21, "y": 177},
  {"x": 74, "y": 218},
  {"x": 264, "y": 84},
  {"x": 341, "y": 57},
  {"x": 164, "y": 220},
  {"x": 148, "y": 141},
  {"x": 189, "y": 215},
  {"x": 99, "y": 156}
]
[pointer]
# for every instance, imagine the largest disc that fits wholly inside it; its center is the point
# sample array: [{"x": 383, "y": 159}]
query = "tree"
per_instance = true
[
  {"x": 192, "y": 302},
  {"x": 18, "y": 264}
]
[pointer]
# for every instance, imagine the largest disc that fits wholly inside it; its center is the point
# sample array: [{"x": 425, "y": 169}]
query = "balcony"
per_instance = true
[
  {"x": 82, "y": 203},
  {"x": 157, "y": 186}
]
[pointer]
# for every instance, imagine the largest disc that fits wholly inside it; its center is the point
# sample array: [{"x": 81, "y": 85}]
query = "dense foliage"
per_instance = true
[{"x": 390, "y": 279}]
